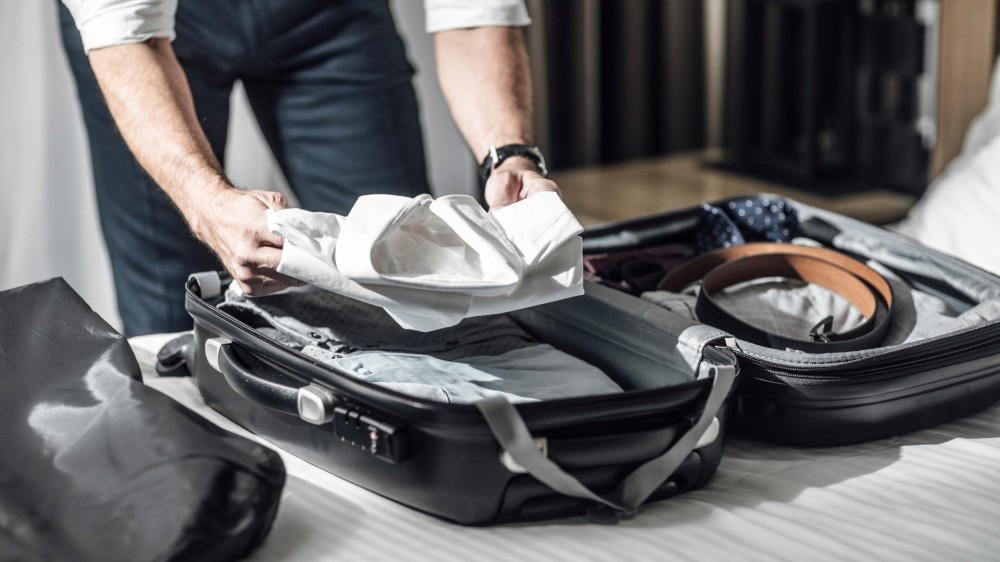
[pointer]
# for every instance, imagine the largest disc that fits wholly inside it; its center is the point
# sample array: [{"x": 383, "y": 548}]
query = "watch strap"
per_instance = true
[{"x": 498, "y": 154}]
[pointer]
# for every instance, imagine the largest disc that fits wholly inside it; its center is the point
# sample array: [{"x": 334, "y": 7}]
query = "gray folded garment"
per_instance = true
[
  {"x": 480, "y": 357},
  {"x": 300, "y": 318},
  {"x": 536, "y": 372}
]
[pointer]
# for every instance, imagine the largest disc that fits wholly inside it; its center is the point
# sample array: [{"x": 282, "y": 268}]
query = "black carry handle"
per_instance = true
[
  {"x": 266, "y": 392},
  {"x": 515, "y": 439},
  {"x": 311, "y": 403}
]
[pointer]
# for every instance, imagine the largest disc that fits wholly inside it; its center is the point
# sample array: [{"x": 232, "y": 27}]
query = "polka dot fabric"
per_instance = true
[{"x": 753, "y": 219}]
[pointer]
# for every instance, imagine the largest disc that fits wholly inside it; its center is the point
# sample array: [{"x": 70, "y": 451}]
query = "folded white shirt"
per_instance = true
[{"x": 430, "y": 263}]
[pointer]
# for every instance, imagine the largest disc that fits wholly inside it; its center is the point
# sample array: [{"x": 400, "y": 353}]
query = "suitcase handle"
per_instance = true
[
  {"x": 516, "y": 441},
  {"x": 311, "y": 403}
]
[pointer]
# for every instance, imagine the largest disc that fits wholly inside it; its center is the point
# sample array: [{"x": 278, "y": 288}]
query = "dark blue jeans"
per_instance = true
[{"x": 329, "y": 84}]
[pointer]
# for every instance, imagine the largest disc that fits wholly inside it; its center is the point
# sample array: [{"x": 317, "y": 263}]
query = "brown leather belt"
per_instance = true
[{"x": 857, "y": 283}]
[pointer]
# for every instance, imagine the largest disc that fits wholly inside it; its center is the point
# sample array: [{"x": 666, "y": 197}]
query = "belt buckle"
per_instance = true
[{"x": 822, "y": 331}]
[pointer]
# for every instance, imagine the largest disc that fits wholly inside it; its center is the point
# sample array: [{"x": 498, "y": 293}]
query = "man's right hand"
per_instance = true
[
  {"x": 148, "y": 95},
  {"x": 233, "y": 225}
]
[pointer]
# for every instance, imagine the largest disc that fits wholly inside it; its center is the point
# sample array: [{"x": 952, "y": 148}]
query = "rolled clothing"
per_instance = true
[{"x": 635, "y": 271}]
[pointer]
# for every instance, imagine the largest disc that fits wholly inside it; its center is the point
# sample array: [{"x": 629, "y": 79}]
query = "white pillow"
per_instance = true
[{"x": 960, "y": 211}]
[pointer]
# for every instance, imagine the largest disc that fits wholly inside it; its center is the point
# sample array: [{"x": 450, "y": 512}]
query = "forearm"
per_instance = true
[
  {"x": 485, "y": 77},
  {"x": 151, "y": 103}
]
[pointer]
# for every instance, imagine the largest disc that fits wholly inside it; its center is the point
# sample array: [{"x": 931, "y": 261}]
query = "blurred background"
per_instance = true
[{"x": 640, "y": 106}]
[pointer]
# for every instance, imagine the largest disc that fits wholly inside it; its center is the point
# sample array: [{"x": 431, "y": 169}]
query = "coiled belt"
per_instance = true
[{"x": 857, "y": 283}]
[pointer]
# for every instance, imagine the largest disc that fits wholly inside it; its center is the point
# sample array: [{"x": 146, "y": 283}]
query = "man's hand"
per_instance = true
[
  {"x": 233, "y": 225},
  {"x": 513, "y": 180},
  {"x": 484, "y": 76},
  {"x": 148, "y": 95}
]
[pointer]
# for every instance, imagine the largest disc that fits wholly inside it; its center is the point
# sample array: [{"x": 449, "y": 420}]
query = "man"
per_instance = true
[{"x": 331, "y": 88}]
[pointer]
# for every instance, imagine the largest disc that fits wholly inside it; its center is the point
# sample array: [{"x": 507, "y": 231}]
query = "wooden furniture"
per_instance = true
[
  {"x": 821, "y": 90},
  {"x": 967, "y": 43},
  {"x": 607, "y": 193},
  {"x": 967, "y": 36}
]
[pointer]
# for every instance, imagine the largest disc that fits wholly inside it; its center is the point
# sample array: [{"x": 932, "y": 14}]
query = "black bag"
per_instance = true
[
  {"x": 97, "y": 466},
  {"x": 812, "y": 398},
  {"x": 489, "y": 462}
]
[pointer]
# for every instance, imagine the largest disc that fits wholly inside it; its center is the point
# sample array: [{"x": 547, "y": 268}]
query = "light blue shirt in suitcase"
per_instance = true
[{"x": 537, "y": 372}]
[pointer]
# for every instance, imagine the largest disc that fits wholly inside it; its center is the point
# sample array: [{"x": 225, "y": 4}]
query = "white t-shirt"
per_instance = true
[{"x": 103, "y": 23}]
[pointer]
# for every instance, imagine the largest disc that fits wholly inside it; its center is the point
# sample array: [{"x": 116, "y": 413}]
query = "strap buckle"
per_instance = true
[{"x": 822, "y": 331}]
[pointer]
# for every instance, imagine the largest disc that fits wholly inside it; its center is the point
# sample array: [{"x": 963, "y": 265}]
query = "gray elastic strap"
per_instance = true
[
  {"x": 511, "y": 432},
  {"x": 643, "y": 481}
]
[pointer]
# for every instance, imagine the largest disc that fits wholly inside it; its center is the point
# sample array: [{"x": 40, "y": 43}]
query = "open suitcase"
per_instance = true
[
  {"x": 943, "y": 366},
  {"x": 494, "y": 462},
  {"x": 447, "y": 460}
]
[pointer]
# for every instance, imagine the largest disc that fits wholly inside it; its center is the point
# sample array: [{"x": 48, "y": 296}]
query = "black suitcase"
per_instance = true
[
  {"x": 825, "y": 399},
  {"x": 487, "y": 463}
]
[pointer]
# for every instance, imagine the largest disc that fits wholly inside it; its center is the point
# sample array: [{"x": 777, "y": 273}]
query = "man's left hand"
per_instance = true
[{"x": 513, "y": 180}]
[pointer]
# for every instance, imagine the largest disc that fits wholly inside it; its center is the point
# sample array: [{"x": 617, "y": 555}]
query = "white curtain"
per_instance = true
[{"x": 48, "y": 216}]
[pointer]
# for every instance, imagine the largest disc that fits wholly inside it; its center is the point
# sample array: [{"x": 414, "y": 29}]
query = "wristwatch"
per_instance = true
[{"x": 498, "y": 154}]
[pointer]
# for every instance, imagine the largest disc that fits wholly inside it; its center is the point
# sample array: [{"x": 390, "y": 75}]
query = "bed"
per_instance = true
[{"x": 929, "y": 495}]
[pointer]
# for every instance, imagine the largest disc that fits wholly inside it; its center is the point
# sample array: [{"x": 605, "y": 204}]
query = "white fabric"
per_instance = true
[
  {"x": 778, "y": 306},
  {"x": 442, "y": 15},
  {"x": 48, "y": 222},
  {"x": 103, "y": 23},
  {"x": 931, "y": 495},
  {"x": 430, "y": 263},
  {"x": 959, "y": 212}
]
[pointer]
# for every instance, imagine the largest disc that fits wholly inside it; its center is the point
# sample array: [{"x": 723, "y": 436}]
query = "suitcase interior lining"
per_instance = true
[{"x": 635, "y": 350}]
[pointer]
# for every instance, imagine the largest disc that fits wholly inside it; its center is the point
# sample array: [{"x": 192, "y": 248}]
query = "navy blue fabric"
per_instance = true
[
  {"x": 330, "y": 85},
  {"x": 752, "y": 219}
]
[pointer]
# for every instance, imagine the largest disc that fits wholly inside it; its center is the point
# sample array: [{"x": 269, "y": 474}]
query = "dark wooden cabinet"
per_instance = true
[{"x": 837, "y": 96}]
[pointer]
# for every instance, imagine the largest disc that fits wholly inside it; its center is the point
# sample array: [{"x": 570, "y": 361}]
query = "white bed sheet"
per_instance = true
[{"x": 931, "y": 495}]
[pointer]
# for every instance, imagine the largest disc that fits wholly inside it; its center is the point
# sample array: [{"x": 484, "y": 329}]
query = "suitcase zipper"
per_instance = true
[{"x": 964, "y": 344}]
